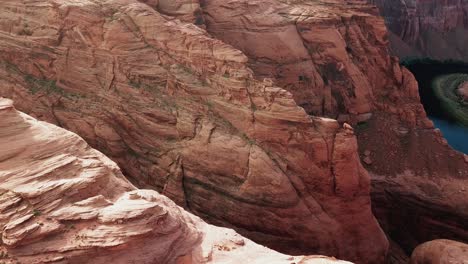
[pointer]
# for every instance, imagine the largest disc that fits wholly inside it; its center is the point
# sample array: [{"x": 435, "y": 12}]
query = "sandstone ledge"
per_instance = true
[{"x": 64, "y": 202}]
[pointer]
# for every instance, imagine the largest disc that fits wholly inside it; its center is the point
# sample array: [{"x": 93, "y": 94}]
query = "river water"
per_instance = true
[{"x": 425, "y": 71}]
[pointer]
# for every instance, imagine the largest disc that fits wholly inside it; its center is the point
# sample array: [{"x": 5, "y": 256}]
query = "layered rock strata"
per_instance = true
[
  {"x": 206, "y": 124},
  {"x": 333, "y": 58},
  {"x": 180, "y": 112},
  {"x": 63, "y": 202}
]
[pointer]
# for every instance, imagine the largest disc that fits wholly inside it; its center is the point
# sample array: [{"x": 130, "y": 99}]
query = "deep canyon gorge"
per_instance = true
[
  {"x": 227, "y": 132},
  {"x": 427, "y": 28}
]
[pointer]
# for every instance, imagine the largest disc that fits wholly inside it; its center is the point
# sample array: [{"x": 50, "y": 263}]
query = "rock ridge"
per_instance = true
[{"x": 63, "y": 202}]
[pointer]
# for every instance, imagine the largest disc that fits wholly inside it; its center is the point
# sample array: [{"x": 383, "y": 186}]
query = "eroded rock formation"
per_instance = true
[
  {"x": 64, "y": 202},
  {"x": 333, "y": 58},
  {"x": 199, "y": 115},
  {"x": 437, "y": 29},
  {"x": 180, "y": 112},
  {"x": 330, "y": 56}
]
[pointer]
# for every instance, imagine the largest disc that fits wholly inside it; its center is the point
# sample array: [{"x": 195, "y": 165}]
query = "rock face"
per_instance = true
[
  {"x": 180, "y": 112},
  {"x": 198, "y": 115},
  {"x": 333, "y": 58},
  {"x": 64, "y": 202},
  {"x": 440, "y": 251},
  {"x": 329, "y": 55},
  {"x": 437, "y": 29}
]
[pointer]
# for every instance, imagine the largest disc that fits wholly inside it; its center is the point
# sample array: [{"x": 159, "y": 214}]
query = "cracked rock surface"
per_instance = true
[
  {"x": 246, "y": 113},
  {"x": 63, "y": 202},
  {"x": 181, "y": 112}
]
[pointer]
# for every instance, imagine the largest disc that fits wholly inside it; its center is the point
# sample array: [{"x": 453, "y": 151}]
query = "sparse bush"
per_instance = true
[
  {"x": 248, "y": 140},
  {"x": 134, "y": 84},
  {"x": 362, "y": 125},
  {"x": 37, "y": 212},
  {"x": 43, "y": 85},
  {"x": 25, "y": 31}
]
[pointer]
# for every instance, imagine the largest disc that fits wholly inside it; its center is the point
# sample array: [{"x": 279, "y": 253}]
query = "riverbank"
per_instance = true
[
  {"x": 445, "y": 88},
  {"x": 427, "y": 72}
]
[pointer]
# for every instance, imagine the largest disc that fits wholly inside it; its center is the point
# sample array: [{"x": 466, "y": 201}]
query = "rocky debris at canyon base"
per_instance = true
[
  {"x": 231, "y": 109},
  {"x": 427, "y": 28},
  {"x": 63, "y": 202}
]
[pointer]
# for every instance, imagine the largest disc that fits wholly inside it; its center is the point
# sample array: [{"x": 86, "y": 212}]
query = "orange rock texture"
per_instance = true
[
  {"x": 334, "y": 60},
  {"x": 441, "y": 251},
  {"x": 235, "y": 110},
  {"x": 63, "y": 202},
  {"x": 180, "y": 112}
]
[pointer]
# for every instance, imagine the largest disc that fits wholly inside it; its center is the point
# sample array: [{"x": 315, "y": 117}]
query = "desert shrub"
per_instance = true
[{"x": 36, "y": 85}]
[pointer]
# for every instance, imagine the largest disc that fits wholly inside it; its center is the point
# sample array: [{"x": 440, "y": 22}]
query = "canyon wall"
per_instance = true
[
  {"x": 180, "y": 112},
  {"x": 64, "y": 202},
  {"x": 185, "y": 96},
  {"x": 334, "y": 60},
  {"x": 436, "y": 29}
]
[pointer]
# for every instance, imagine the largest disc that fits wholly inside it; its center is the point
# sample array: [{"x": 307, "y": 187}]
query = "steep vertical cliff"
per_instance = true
[
  {"x": 334, "y": 59},
  {"x": 235, "y": 110},
  {"x": 437, "y": 29},
  {"x": 180, "y": 112}
]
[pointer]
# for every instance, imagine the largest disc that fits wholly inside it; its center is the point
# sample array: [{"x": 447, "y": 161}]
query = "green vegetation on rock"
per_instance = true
[{"x": 445, "y": 89}]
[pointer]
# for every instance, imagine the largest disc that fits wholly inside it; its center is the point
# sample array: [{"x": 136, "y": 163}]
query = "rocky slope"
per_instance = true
[
  {"x": 199, "y": 116},
  {"x": 437, "y": 29},
  {"x": 180, "y": 112},
  {"x": 63, "y": 202}
]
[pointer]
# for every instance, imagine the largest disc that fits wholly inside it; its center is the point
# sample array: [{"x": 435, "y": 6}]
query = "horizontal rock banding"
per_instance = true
[
  {"x": 64, "y": 202},
  {"x": 203, "y": 120},
  {"x": 180, "y": 112}
]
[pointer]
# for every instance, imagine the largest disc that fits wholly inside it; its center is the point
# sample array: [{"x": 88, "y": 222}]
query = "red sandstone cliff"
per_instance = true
[
  {"x": 206, "y": 124},
  {"x": 333, "y": 58},
  {"x": 64, "y": 202},
  {"x": 180, "y": 112},
  {"x": 437, "y": 29}
]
